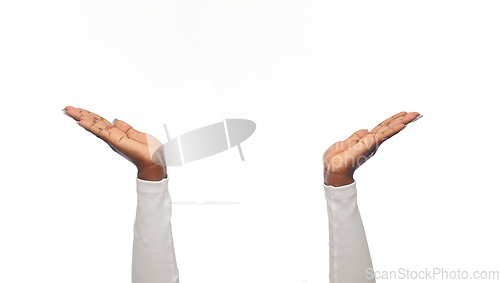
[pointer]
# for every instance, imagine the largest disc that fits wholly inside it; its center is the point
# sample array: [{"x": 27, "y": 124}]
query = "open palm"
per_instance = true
[
  {"x": 142, "y": 149},
  {"x": 342, "y": 158}
]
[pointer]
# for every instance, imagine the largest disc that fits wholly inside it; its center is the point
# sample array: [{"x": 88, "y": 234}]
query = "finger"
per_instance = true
[
  {"x": 93, "y": 121},
  {"x": 387, "y": 121},
  {"x": 371, "y": 142},
  {"x": 101, "y": 124},
  {"x": 404, "y": 119},
  {"x": 365, "y": 144},
  {"x": 129, "y": 131},
  {"x": 94, "y": 116},
  {"x": 419, "y": 116},
  {"x": 401, "y": 120},
  {"x": 104, "y": 133},
  {"x": 357, "y": 135},
  {"x": 126, "y": 128},
  {"x": 77, "y": 113},
  {"x": 118, "y": 131},
  {"x": 82, "y": 114},
  {"x": 387, "y": 133},
  {"x": 74, "y": 112}
]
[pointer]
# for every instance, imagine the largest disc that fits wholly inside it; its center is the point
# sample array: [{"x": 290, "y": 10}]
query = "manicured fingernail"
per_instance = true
[
  {"x": 78, "y": 122},
  {"x": 64, "y": 111},
  {"x": 419, "y": 116},
  {"x": 114, "y": 121}
]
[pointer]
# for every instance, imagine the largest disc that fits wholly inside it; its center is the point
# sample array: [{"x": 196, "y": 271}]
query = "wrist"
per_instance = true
[
  {"x": 152, "y": 173},
  {"x": 338, "y": 179}
]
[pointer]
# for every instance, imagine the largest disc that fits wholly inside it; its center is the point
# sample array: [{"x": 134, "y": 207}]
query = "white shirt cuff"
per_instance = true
[{"x": 340, "y": 192}]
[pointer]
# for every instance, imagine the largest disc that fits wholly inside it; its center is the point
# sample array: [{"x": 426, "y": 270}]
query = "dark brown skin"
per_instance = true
[
  {"x": 135, "y": 146},
  {"x": 341, "y": 160}
]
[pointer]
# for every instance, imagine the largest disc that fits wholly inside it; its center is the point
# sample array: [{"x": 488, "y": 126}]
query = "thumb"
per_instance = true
[
  {"x": 126, "y": 128},
  {"x": 357, "y": 136}
]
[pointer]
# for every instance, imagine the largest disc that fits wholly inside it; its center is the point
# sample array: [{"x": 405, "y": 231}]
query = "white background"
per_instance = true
[{"x": 308, "y": 73}]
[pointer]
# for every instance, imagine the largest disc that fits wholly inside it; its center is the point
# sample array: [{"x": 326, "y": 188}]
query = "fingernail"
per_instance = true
[
  {"x": 64, "y": 111},
  {"x": 78, "y": 122},
  {"x": 114, "y": 121},
  {"x": 419, "y": 116}
]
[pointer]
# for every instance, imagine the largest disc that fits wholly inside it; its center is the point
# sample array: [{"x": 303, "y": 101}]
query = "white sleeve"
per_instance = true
[
  {"x": 153, "y": 258},
  {"x": 349, "y": 254}
]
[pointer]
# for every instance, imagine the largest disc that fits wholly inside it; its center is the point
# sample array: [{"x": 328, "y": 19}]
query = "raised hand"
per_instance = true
[
  {"x": 343, "y": 158},
  {"x": 137, "y": 147}
]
